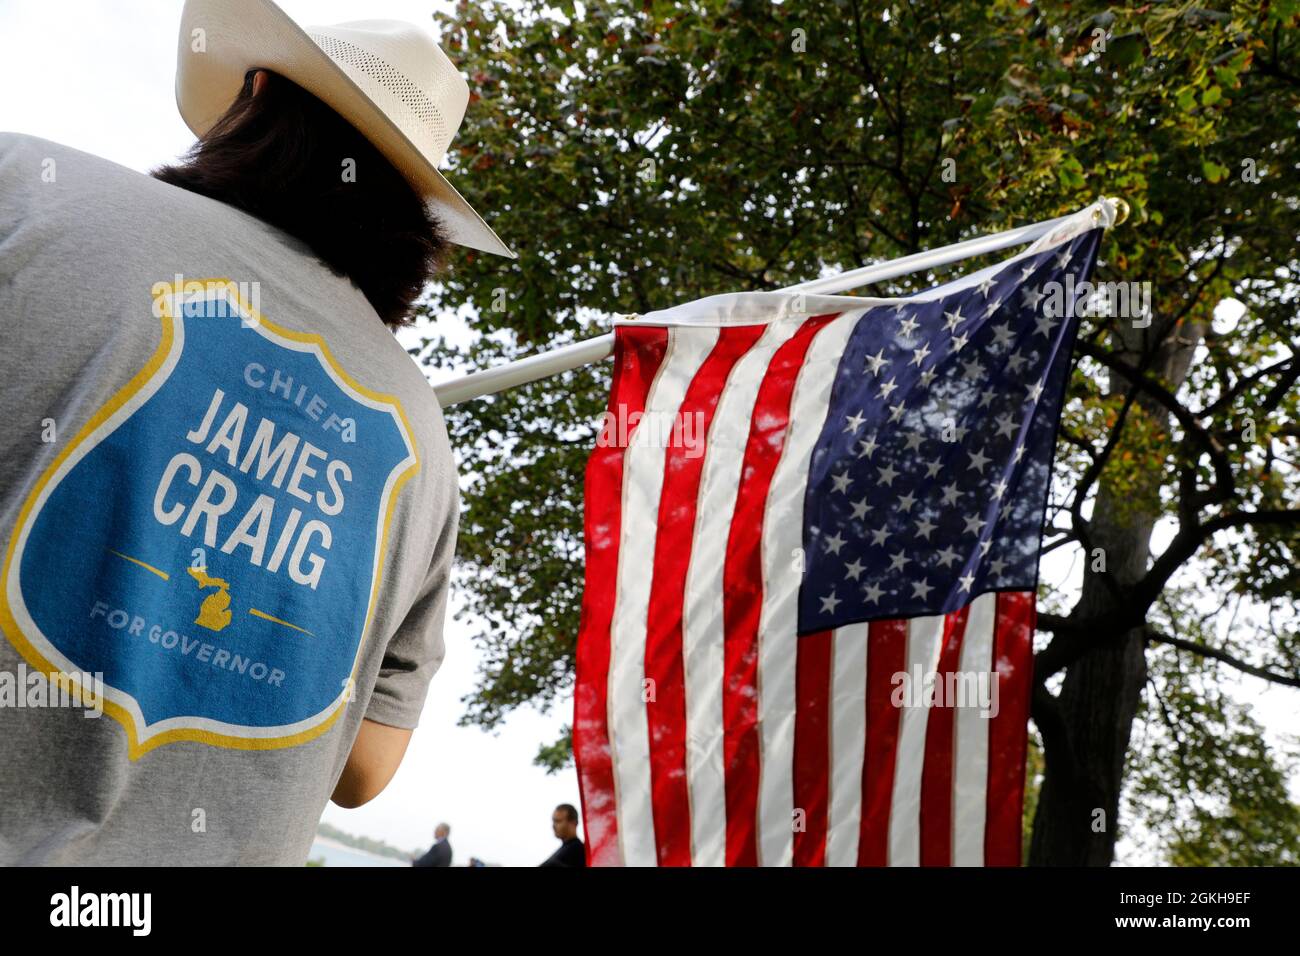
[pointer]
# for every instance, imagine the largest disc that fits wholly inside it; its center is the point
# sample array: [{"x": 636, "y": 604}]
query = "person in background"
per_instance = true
[
  {"x": 564, "y": 821},
  {"x": 440, "y": 853}
]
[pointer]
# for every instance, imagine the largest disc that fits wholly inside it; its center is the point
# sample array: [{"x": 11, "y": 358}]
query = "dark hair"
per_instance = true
[
  {"x": 279, "y": 155},
  {"x": 570, "y": 811}
]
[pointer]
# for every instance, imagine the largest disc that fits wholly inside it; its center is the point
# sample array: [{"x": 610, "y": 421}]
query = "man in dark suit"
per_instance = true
[
  {"x": 440, "y": 853},
  {"x": 564, "y": 822}
]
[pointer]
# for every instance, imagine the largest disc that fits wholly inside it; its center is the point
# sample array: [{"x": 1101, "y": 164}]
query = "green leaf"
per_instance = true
[
  {"x": 1126, "y": 50},
  {"x": 1226, "y": 76}
]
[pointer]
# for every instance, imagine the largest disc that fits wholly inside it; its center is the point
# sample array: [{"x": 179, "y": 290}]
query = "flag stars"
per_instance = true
[
  {"x": 1043, "y": 326},
  {"x": 914, "y": 528},
  {"x": 1002, "y": 335}
]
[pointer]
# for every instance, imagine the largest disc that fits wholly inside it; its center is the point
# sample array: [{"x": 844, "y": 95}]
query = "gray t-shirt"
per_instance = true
[{"x": 228, "y": 510}]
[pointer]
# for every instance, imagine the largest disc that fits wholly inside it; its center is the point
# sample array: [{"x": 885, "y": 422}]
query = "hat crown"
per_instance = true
[
  {"x": 388, "y": 78},
  {"x": 405, "y": 72}
]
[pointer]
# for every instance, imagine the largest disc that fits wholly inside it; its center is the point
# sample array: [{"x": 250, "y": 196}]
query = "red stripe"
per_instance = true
[
  {"x": 742, "y": 592},
  {"x": 638, "y": 353},
  {"x": 1013, "y": 659},
  {"x": 666, "y": 716},
  {"x": 936, "y": 771},
  {"x": 886, "y": 656},
  {"x": 812, "y": 743}
]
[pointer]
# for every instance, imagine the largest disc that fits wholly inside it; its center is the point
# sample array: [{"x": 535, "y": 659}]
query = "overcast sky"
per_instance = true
[{"x": 99, "y": 76}]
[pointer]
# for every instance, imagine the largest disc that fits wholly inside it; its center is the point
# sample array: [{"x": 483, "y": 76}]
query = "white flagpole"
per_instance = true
[{"x": 566, "y": 357}]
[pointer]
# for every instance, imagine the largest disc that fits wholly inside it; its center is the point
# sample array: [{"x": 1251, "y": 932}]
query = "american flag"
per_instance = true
[{"x": 801, "y": 507}]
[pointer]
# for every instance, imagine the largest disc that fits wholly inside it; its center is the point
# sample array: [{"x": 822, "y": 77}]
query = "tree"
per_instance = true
[{"x": 640, "y": 154}]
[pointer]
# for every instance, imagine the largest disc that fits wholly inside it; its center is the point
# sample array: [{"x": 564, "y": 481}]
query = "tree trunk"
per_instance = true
[{"x": 1078, "y": 806}]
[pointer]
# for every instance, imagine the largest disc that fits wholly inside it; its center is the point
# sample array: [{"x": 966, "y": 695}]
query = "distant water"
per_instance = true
[{"x": 336, "y": 854}]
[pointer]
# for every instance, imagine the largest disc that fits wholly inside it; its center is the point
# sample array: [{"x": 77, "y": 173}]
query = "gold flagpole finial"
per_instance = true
[{"x": 1121, "y": 209}]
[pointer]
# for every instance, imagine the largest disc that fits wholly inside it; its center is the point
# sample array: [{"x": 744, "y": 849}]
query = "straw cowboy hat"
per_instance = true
[{"x": 387, "y": 78}]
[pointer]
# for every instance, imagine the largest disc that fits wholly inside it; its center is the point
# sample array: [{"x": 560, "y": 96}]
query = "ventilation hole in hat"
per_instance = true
[{"x": 386, "y": 79}]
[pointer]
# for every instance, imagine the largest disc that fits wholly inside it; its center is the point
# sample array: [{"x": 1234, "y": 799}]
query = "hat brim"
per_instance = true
[{"x": 241, "y": 35}]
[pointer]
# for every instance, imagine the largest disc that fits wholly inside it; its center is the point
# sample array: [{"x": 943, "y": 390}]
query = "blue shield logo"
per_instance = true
[{"x": 212, "y": 541}]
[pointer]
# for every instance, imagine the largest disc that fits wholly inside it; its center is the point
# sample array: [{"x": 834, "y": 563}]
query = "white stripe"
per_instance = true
[
  {"x": 970, "y": 748},
  {"x": 848, "y": 743},
  {"x": 782, "y": 542},
  {"x": 924, "y": 644},
  {"x": 644, "y": 471},
  {"x": 702, "y": 625}
]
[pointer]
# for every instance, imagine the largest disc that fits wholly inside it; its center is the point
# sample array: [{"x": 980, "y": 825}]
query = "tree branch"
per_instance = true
[{"x": 1155, "y": 637}]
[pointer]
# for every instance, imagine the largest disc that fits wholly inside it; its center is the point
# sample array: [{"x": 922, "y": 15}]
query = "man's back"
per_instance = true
[
  {"x": 209, "y": 497},
  {"x": 570, "y": 853},
  {"x": 439, "y": 855}
]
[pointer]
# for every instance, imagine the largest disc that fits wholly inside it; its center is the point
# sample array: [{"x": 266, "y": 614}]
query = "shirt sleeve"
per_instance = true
[{"x": 416, "y": 649}]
